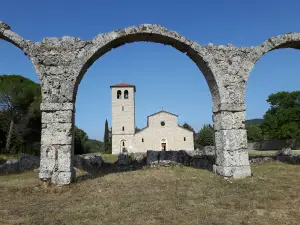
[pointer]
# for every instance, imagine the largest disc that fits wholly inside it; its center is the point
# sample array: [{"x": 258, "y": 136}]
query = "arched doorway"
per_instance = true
[
  {"x": 123, "y": 146},
  {"x": 163, "y": 144}
]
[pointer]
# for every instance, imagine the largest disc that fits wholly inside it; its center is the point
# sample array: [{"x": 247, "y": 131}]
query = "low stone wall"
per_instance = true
[
  {"x": 86, "y": 162},
  {"x": 20, "y": 165},
  {"x": 197, "y": 159},
  {"x": 294, "y": 159},
  {"x": 274, "y": 144},
  {"x": 194, "y": 159}
]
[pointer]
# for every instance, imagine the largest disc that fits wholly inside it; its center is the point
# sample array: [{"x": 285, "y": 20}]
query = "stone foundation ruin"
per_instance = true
[{"x": 62, "y": 62}]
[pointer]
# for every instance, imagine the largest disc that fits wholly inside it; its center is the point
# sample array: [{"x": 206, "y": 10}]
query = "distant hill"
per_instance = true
[{"x": 254, "y": 121}]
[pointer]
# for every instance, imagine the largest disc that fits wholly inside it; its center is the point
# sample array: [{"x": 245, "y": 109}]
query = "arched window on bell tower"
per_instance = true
[
  {"x": 126, "y": 94},
  {"x": 119, "y": 94}
]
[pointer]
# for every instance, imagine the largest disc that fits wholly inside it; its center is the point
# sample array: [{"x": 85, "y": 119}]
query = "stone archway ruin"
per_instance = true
[{"x": 62, "y": 62}]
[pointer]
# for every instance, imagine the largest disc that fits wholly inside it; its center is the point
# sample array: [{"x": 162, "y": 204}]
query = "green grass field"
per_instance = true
[{"x": 165, "y": 195}]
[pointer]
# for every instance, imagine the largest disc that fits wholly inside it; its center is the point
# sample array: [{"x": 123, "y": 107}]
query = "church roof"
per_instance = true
[
  {"x": 162, "y": 111},
  {"x": 124, "y": 85}
]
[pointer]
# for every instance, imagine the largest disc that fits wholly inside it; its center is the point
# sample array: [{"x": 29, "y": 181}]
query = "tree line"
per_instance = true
[
  {"x": 281, "y": 120},
  {"x": 20, "y": 120}
]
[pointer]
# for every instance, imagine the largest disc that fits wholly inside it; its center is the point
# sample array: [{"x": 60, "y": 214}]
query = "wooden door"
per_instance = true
[{"x": 163, "y": 146}]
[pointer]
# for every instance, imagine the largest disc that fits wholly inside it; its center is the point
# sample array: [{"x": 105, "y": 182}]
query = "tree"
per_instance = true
[
  {"x": 254, "y": 132},
  {"x": 106, "y": 138},
  {"x": 110, "y": 141},
  {"x": 80, "y": 141},
  {"x": 188, "y": 127},
  {"x": 92, "y": 145},
  {"x": 282, "y": 119},
  {"x": 18, "y": 95},
  {"x": 137, "y": 129},
  {"x": 205, "y": 136}
]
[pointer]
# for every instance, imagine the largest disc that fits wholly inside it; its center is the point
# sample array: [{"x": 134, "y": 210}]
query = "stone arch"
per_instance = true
[
  {"x": 8, "y": 35},
  {"x": 103, "y": 43},
  {"x": 24, "y": 45},
  {"x": 289, "y": 40}
]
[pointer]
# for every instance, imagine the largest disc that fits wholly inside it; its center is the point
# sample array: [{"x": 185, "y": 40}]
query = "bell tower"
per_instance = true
[{"x": 123, "y": 117}]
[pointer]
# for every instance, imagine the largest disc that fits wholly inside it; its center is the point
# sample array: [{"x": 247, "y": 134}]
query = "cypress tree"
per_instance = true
[{"x": 106, "y": 138}]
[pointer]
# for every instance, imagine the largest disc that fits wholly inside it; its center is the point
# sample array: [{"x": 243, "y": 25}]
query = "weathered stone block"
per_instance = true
[
  {"x": 232, "y": 158},
  {"x": 47, "y": 106},
  {"x": 58, "y": 116},
  {"x": 64, "y": 160},
  {"x": 63, "y": 178},
  {"x": 232, "y": 171},
  {"x": 225, "y": 120},
  {"x": 57, "y": 133},
  {"x": 284, "y": 152},
  {"x": 47, "y": 164},
  {"x": 123, "y": 159},
  {"x": 140, "y": 157},
  {"x": 209, "y": 150},
  {"x": 48, "y": 157},
  {"x": 232, "y": 107},
  {"x": 231, "y": 139},
  {"x": 92, "y": 161}
]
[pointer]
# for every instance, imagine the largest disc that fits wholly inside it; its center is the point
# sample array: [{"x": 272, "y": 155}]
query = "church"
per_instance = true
[{"x": 161, "y": 133}]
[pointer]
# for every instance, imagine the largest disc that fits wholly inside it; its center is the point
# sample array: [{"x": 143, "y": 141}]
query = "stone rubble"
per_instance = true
[{"x": 284, "y": 152}]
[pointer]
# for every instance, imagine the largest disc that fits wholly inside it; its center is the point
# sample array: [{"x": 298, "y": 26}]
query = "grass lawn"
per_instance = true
[
  {"x": 165, "y": 195},
  {"x": 109, "y": 158}
]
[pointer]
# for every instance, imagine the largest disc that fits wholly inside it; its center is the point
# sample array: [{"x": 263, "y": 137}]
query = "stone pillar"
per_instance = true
[
  {"x": 57, "y": 144},
  {"x": 231, "y": 144}
]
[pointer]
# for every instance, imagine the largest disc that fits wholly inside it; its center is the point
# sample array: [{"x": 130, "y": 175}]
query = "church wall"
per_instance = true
[
  {"x": 173, "y": 134},
  {"x": 117, "y": 143},
  {"x": 170, "y": 120}
]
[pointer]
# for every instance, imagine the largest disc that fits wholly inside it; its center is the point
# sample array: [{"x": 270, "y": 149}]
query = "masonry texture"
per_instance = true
[{"x": 62, "y": 62}]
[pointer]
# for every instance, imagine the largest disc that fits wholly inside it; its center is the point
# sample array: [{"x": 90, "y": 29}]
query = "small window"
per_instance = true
[
  {"x": 126, "y": 94},
  {"x": 123, "y": 143},
  {"x": 162, "y": 123},
  {"x": 123, "y": 128},
  {"x": 119, "y": 94},
  {"x": 184, "y": 139},
  {"x": 122, "y": 108},
  {"x": 142, "y": 139}
]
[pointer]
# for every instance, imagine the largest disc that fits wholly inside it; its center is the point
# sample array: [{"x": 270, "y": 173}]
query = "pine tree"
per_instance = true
[
  {"x": 205, "y": 136},
  {"x": 106, "y": 138}
]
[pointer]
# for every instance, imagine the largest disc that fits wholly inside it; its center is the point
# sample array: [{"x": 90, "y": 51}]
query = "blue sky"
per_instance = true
[{"x": 164, "y": 77}]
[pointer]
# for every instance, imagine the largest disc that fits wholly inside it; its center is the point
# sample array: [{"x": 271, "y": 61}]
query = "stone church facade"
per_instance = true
[{"x": 161, "y": 133}]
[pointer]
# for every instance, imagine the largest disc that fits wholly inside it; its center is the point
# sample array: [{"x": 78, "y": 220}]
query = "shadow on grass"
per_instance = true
[
  {"x": 108, "y": 168},
  {"x": 153, "y": 159}
]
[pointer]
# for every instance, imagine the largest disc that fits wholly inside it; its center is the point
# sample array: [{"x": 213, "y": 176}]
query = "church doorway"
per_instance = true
[
  {"x": 163, "y": 146},
  {"x": 123, "y": 147},
  {"x": 163, "y": 143}
]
